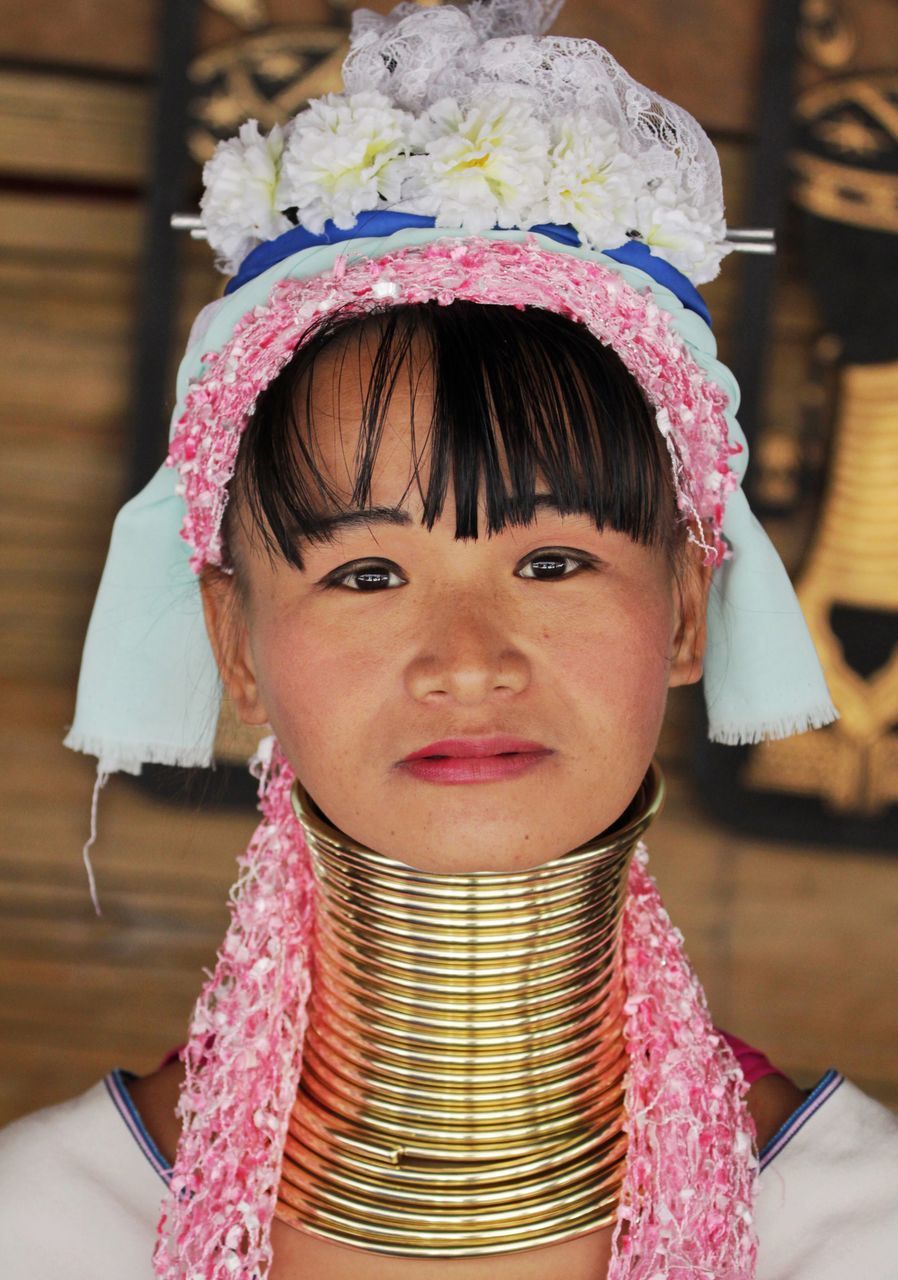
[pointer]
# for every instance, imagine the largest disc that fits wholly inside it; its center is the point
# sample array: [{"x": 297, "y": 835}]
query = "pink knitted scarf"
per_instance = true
[
  {"x": 687, "y": 1194},
  {"x": 686, "y": 1205}
]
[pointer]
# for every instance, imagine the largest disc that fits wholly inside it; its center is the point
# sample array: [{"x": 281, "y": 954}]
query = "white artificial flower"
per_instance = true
[
  {"x": 240, "y": 205},
  {"x": 481, "y": 166},
  {"x": 675, "y": 230},
  {"x": 593, "y": 183},
  {"x": 344, "y": 155}
]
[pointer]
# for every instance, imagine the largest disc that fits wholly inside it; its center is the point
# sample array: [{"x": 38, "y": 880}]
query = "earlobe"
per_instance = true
[
  {"x": 226, "y": 625},
  {"x": 692, "y": 584}
]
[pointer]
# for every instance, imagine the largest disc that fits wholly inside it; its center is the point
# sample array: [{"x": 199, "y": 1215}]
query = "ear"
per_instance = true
[
  {"x": 692, "y": 582},
  {"x": 225, "y": 614}
]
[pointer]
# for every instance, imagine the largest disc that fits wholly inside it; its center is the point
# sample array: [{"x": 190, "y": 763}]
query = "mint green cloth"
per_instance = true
[{"x": 149, "y": 690}]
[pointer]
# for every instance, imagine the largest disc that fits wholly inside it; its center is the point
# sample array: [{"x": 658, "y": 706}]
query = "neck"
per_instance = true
[{"x": 462, "y": 1088}]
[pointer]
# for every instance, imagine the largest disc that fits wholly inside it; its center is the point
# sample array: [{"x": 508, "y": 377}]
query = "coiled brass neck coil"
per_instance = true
[{"x": 462, "y": 1087}]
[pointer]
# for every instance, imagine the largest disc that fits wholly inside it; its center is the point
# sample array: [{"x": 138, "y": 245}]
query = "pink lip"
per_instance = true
[{"x": 455, "y": 760}]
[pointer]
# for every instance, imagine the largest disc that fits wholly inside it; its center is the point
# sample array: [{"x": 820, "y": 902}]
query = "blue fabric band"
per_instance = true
[{"x": 385, "y": 222}]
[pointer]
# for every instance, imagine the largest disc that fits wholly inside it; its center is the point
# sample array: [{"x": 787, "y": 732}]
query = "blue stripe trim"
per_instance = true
[
  {"x": 825, "y": 1087},
  {"x": 386, "y": 222},
  {"x": 117, "y": 1087}
]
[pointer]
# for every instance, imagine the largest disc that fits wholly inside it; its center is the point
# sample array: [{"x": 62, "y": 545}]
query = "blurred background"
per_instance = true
[{"x": 779, "y": 862}]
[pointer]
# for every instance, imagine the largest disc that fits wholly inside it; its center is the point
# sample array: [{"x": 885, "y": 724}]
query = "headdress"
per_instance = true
[
  {"x": 586, "y": 193},
  {"x": 469, "y": 158}
]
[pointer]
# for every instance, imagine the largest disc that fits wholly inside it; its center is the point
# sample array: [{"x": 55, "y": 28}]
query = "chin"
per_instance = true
[
  {"x": 509, "y": 826},
  {"x": 507, "y": 844}
]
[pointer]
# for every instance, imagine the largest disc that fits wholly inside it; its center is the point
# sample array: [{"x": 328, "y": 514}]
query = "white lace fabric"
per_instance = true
[
  {"x": 419, "y": 56},
  {"x": 472, "y": 115}
]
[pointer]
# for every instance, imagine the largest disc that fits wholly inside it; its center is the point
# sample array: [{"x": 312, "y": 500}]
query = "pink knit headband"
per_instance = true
[{"x": 689, "y": 405}]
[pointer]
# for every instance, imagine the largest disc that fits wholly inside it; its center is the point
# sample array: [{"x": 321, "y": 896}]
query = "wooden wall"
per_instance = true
[{"x": 78, "y": 994}]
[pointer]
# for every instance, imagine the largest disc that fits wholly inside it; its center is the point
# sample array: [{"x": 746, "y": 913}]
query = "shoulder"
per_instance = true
[
  {"x": 827, "y": 1202},
  {"x": 76, "y": 1175},
  {"x": 772, "y": 1100}
]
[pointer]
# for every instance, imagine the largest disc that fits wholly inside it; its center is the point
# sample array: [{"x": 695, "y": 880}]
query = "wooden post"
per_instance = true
[{"x": 158, "y": 277}]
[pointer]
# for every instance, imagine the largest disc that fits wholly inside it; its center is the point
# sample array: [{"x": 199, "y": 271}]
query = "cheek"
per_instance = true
[
  {"x": 320, "y": 689},
  {"x": 616, "y": 662}
]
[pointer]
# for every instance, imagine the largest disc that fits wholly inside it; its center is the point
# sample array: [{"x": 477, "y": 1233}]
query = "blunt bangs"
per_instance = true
[{"x": 524, "y": 402}]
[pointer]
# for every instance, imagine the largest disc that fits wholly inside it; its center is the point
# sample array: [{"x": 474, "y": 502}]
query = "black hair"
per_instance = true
[{"x": 523, "y": 400}]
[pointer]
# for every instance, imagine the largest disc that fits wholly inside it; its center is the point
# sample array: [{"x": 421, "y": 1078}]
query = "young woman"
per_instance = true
[{"x": 454, "y": 486}]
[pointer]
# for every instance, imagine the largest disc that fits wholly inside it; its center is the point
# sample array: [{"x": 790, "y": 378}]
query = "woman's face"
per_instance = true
[{"x": 394, "y": 638}]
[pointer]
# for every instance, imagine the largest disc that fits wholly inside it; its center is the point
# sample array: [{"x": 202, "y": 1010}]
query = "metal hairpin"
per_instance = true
[
  {"x": 751, "y": 239},
  {"x": 741, "y": 239}
]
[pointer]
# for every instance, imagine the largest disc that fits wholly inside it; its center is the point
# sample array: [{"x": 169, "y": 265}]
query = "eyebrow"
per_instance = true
[{"x": 327, "y": 525}]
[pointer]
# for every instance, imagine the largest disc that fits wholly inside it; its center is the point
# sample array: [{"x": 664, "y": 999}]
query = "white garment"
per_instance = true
[{"x": 81, "y": 1186}]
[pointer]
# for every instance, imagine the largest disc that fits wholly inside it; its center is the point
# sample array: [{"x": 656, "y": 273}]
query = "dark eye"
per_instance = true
[
  {"x": 547, "y": 565},
  {"x": 367, "y": 577}
]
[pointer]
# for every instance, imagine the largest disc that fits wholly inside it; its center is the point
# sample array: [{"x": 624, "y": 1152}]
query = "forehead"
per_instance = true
[
  {"x": 481, "y": 410},
  {"x": 334, "y": 408}
]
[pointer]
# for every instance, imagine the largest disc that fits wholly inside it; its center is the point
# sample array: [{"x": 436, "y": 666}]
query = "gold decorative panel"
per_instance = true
[
  {"x": 266, "y": 77},
  {"x": 853, "y": 764}
]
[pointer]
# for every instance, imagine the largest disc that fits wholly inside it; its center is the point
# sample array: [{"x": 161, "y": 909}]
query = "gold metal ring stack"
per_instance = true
[{"x": 462, "y": 1087}]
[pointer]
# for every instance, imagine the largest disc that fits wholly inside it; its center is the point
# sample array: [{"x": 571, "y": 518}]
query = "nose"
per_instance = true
[{"x": 468, "y": 658}]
